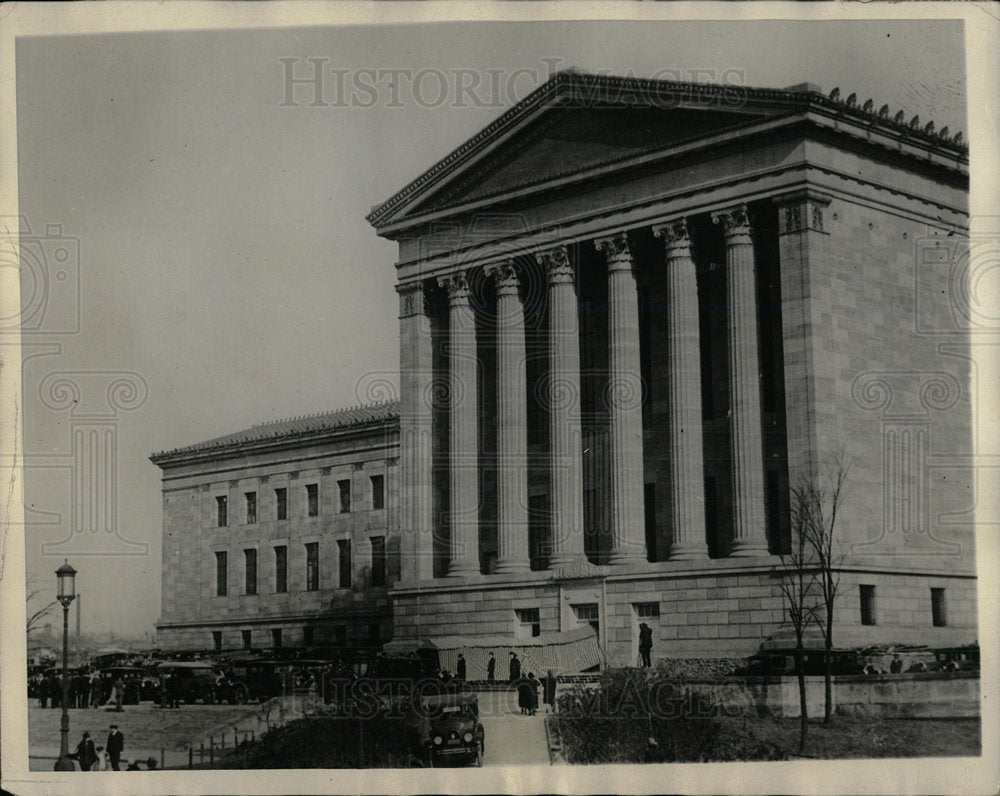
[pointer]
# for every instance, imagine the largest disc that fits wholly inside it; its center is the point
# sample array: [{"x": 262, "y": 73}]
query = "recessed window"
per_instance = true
[
  {"x": 247, "y": 639},
  {"x": 939, "y": 613},
  {"x": 344, "y": 548},
  {"x": 312, "y": 499},
  {"x": 587, "y": 613},
  {"x": 312, "y": 566},
  {"x": 308, "y": 635},
  {"x": 217, "y": 640},
  {"x": 374, "y": 633},
  {"x": 251, "y": 498},
  {"x": 528, "y": 623},
  {"x": 250, "y": 571},
  {"x": 276, "y": 637},
  {"x": 281, "y": 503},
  {"x": 221, "y": 573},
  {"x": 378, "y": 561},
  {"x": 281, "y": 568},
  {"x": 867, "y": 594},
  {"x": 345, "y": 495},
  {"x": 647, "y": 610},
  {"x": 378, "y": 492},
  {"x": 340, "y": 635},
  {"x": 222, "y": 508}
]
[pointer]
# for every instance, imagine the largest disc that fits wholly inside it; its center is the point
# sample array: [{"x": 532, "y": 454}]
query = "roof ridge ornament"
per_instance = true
[{"x": 835, "y": 94}]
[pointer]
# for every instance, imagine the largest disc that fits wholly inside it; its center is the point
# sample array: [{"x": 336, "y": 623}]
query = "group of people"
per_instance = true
[
  {"x": 99, "y": 758},
  {"x": 83, "y": 690},
  {"x": 527, "y": 693}
]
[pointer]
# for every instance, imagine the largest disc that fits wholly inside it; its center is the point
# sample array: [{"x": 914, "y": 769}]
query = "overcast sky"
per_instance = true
[{"x": 224, "y": 256}]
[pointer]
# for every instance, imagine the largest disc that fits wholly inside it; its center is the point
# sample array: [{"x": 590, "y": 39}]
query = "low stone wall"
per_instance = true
[{"x": 918, "y": 695}]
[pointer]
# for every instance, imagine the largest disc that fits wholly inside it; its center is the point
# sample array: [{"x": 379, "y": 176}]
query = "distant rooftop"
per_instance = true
[{"x": 292, "y": 428}]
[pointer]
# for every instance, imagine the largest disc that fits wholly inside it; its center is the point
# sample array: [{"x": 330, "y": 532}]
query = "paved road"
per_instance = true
[{"x": 515, "y": 740}]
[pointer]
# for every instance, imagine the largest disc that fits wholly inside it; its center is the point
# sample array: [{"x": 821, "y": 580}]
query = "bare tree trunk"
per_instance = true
[
  {"x": 803, "y": 707},
  {"x": 828, "y": 670}
]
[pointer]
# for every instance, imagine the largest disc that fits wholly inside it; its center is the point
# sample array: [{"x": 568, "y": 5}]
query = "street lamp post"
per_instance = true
[{"x": 66, "y": 577}]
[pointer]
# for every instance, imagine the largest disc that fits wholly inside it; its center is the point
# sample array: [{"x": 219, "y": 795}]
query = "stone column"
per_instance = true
[
  {"x": 687, "y": 484},
  {"x": 746, "y": 443},
  {"x": 566, "y": 450},
  {"x": 415, "y": 434},
  {"x": 625, "y": 402},
  {"x": 512, "y": 433},
  {"x": 463, "y": 460}
]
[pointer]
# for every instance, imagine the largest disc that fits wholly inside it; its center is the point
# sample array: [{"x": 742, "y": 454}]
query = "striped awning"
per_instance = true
[{"x": 564, "y": 653}]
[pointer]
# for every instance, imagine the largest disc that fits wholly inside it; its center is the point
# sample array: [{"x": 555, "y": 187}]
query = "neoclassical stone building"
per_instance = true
[{"x": 634, "y": 314}]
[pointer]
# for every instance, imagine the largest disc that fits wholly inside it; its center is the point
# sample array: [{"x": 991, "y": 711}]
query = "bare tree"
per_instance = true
[
  {"x": 35, "y": 617},
  {"x": 818, "y": 502},
  {"x": 799, "y": 589}
]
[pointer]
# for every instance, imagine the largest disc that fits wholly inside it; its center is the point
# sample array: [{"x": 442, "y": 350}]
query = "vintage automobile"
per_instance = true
[
  {"x": 189, "y": 681},
  {"x": 456, "y": 735},
  {"x": 140, "y": 686}
]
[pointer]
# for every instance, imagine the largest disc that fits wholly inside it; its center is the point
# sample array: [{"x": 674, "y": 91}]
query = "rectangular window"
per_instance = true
[
  {"x": 345, "y": 495},
  {"x": 528, "y": 623},
  {"x": 221, "y": 573},
  {"x": 647, "y": 610},
  {"x": 251, "y": 507},
  {"x": 344, "y": 546},
  {"x": 374, "y": 633},
  {"x": 312, "y": 498},
  {"x": 587, "y": 613},
  {"x": 250, "y": 571},
  {"x": 308, "y": 635},
  {"x": 223, "y": 511},
  {"x": 276, "y": 637},
  {"x": 378, "y": 492},
  {"x": 217, "y": 640},
  {"x": 939, "y": 613},
  {"x": 281, "y": 568},
  {"x": 312, "y": 566},
  {"x": 378, "y": 561},
  {"x": 281, "y": 503},
  {"x": 247, "y": 639},
  {"x": 867, "y": 605},
  {"x": 340, "y": 635}
]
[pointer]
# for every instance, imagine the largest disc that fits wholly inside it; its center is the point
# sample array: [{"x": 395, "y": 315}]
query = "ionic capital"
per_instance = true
[
  {"x": 675, "y": 238},
  {"x": 506, "y": 275},
  {"x": 557, "y": 265},
  {"x": 735, "y": 224},
  {"x": 457, "y": 286},
  {"x": 616, "y": 250}
]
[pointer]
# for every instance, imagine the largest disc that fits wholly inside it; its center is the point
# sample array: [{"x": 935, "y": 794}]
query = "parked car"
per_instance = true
[
  {"x": 190, "y": 681},
  {"x": 457, "y": 737},
  {"x": 140, "y": 686}
]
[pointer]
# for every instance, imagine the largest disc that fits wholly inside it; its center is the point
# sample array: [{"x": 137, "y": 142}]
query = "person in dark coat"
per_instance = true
[
  {"x": 79, "y": 691},
  {"x": 549, "y": 691},
  {"x": 532, "y": 694},
  {"x": 896, "y": 665},
  {"x": 115, "y": 746},
  {"x": 85, "y": 754},
  {"x": 524, "y": 695},
  {"x": 43, "y": 692},
  {"x": 491, "y": 669},
  {"x": 119, "y": 686},
  {"x": 515, "y": 667},
  {"x": 96, "y": 690},
  {"x": 460, "y": 667},
  {"x": 645, "y": 644}
]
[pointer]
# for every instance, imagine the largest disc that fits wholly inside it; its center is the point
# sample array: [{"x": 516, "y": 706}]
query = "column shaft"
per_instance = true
[
  {"x": 512, "y": 435},
  {"x": 566, "y": 451},
  {"x": 625, "y": 403},
  {"x": 463, "y": 462},
  {"x": 687, "y": 485},
  {"x": 746, "y": 443}
]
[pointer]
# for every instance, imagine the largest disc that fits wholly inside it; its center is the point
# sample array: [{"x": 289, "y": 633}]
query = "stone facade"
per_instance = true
[
  {"x": 356, "y": 447},
  {"x": 648, "y": 250}
]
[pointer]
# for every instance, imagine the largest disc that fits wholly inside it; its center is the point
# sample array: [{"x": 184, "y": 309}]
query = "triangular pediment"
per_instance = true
[{"x": 577, "y": 125}]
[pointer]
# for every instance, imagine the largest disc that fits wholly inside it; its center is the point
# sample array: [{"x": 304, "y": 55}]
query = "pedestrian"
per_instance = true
[
  {"x": 43, "y": 692},
  {"x": 115, "y": 746},
  {"x": 96, "y": 690},
  {"x": 119, "y": 687},
  {"x": 515, "y": 667},
  {"x": 460, "y": 666},
  {"x": 491, "y": 669},
  {"x": 645, "y": 644},
  {"x": 85, "y": 753},
  {"x": 102, "y": 759},
  {"x": 549, "y": 692},
  {"x": 79, "y": 691},
  {"x": 532, "y": 694},
  {"x": 896, "y": 665},
  {"x": 523, "y": 695},
  {"x": 164, "y": 695}
]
